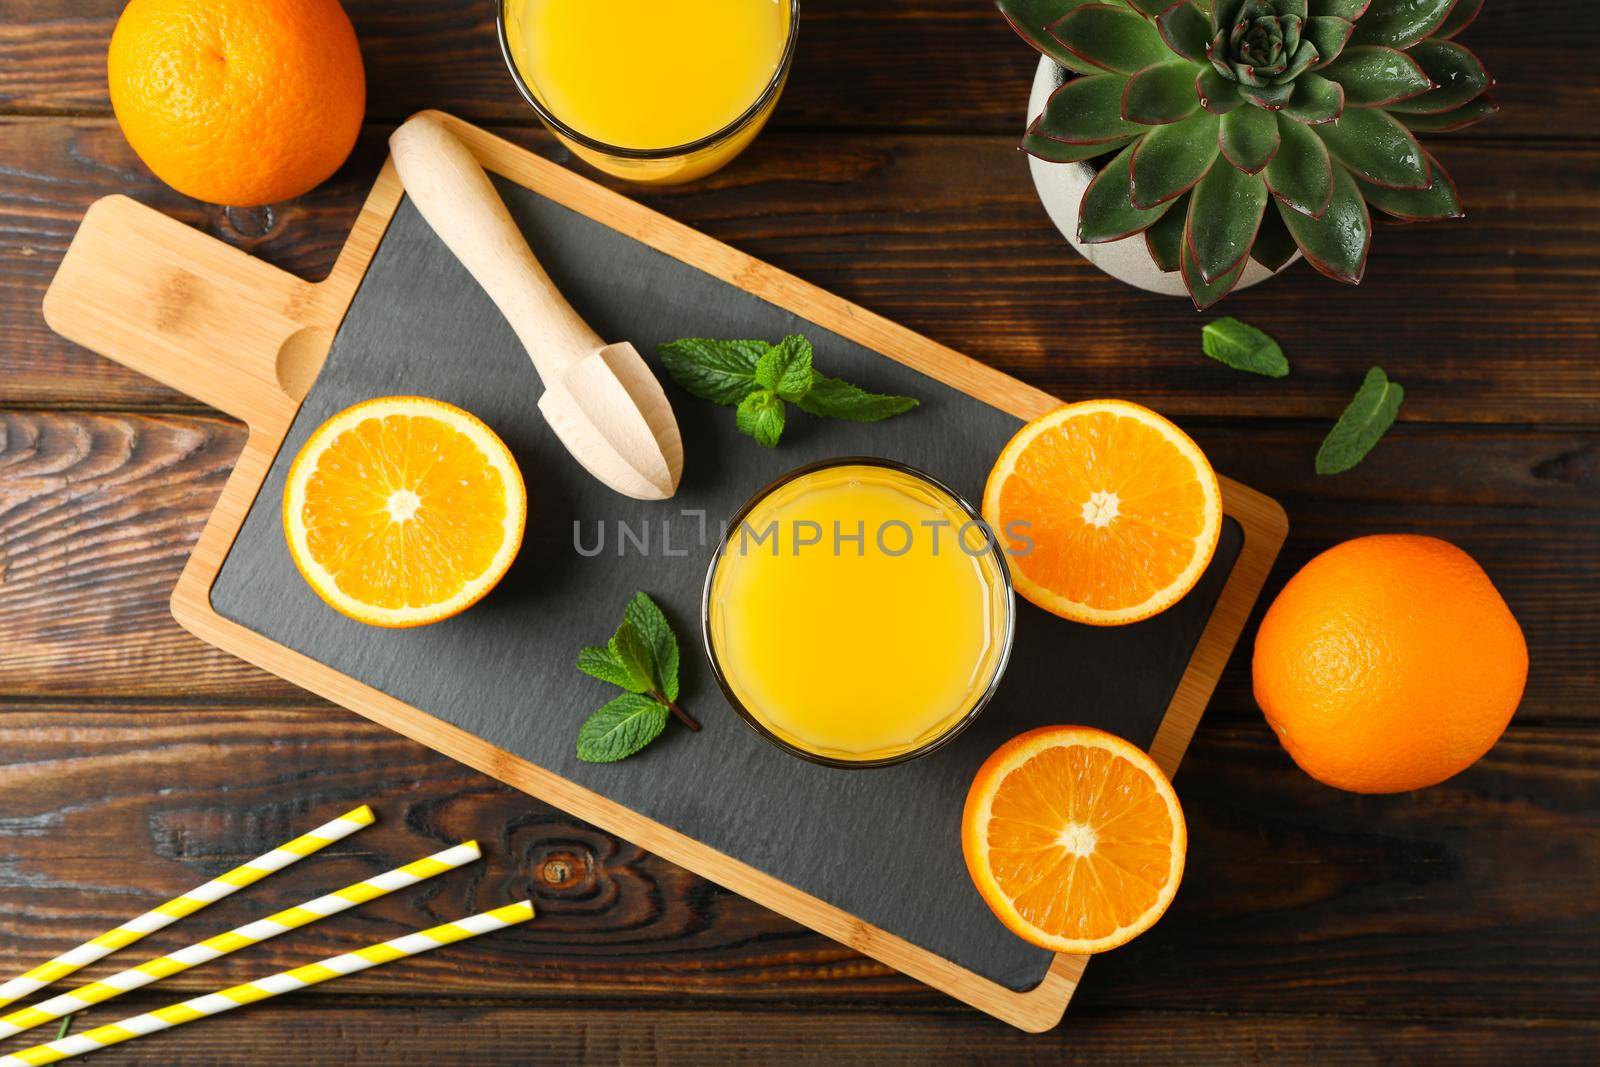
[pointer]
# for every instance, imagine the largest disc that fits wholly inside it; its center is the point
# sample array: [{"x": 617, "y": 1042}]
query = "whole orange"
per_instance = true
[
  {"x": 238, "y": 102},
  {"x": 1389, "y": 663}
]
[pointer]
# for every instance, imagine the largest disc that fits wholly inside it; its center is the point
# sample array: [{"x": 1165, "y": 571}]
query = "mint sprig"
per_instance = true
[
  {"x": 621, "y": 728},
  {"x": 1363, "y": 423},
  {"x": 760, "y": 380},
  {"x": 642, "y": 658},
  {"x": 1243, "y": 347}
]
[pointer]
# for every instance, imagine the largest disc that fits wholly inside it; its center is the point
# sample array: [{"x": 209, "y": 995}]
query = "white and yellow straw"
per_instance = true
[
  {"x": 271, "y": 986},
  {"x": 187, "y": 904},
  {"x": 241, "y": 937}
]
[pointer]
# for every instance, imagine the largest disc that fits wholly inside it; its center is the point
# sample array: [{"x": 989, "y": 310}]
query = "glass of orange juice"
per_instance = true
[
  {"x": 660, "y": 91},
  {"x": 858, "y": 613}
]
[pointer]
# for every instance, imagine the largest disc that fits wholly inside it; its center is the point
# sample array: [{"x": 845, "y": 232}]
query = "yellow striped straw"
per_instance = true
[
  {"x": 187, "y": 904},
  {"x": 240, "y": 937},
  {"x": 271, "y": 986}
]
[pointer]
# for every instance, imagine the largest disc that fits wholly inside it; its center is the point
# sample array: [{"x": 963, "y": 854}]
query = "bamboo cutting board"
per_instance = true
[{"x": 870, "y": 858}]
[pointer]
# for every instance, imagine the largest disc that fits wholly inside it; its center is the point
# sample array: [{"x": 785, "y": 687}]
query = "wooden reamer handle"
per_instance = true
[{"x": 449, "y": 187}]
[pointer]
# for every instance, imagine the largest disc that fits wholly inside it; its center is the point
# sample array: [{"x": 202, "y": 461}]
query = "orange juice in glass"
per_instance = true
[
  {"x": 660, "y": 91},
  {"x": 858, "y": 613}
]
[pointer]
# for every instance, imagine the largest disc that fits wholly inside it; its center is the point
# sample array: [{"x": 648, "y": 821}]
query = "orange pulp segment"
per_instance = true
[
  {"x": 402, "y": 511},
  {"x": 1110, "y": 512},
  {"x": 1074, "y": 838}
]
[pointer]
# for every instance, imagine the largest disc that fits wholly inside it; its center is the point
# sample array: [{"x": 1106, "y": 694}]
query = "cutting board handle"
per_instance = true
[{"x": 190, "y": 311}]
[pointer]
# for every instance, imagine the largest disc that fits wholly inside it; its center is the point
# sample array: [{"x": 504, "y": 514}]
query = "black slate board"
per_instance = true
[{"x": 881, "y": 844}]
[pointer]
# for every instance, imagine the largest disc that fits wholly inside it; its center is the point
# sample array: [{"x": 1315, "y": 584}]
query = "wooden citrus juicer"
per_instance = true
[{"x": 601, "y": 400}]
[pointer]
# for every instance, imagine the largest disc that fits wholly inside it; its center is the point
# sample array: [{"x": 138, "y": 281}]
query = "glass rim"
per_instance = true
[
  {"x": 548, "y": 117},
  {"x": 955, "y": 729}
]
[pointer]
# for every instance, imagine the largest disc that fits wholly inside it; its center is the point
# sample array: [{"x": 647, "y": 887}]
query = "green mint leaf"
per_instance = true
[
  {"x": 833, "y": 398},
  {"x": 1369, "y": 415},
  {"x": 786, "y": 368},
  {"x": 632, "y": 653},
  {"x": 761, "y": 416},
  {"x": 597, "y": 662},
  {"x": 1243, "y": 347},
  {"x": 719, "y": 371},
  {"x": 620, "y": 728},
  {"x": 645, "y": 617}
]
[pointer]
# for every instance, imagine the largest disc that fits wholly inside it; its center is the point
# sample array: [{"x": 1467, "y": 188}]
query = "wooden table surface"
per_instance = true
[{"x": 1459, "y": 922}]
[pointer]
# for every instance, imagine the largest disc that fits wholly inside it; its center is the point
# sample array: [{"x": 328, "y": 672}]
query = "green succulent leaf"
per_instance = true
[
  {"x": 1217, "y": 94},
  {"x": 1459, "y": 75},
  {"x": 1224, "y": 13},
  {"x": 1329, "y": 34},
  {"x": 1342, "y": 9},
  {"x": 1401, "y": 23},
  {"x": 1316, "y": 100},
  {"x": 1164, "y": 239},
  {"x": 1249, "y": 138},
  {"x": 1304, "y": 57},
  {"x": 1160, "y": 94},
  {"x": 1170, "y": 159},
  {"x": 1271, "y": 97},
  {"x": 1086, "y": 110},
  {"x": 1110, "y": 36},
  {"x": 1053, "y": 151},
  {"x": 1224, "y": 214},
  {"x": 1032, "y": 18},
  {"x": 1298, "y": 8},
  {"x": 1205, "y": 293},
  {"x": 1186, "y": 30},
  {"x": 1474, "y": 111},
  {"x": 1107, "y": 212},
  {"x": 1274, "y": 244},
  {"x": 1374, "y": 76},
  {"x": 1151, "y": 8},
  {"x": 1437, "y": 201},
  {"x": 1301, "y": 174},
  {"x": 1373, "y": 144},
  {"x": 1460, "y": 18},
  {"x": 1337, "y": 243}
]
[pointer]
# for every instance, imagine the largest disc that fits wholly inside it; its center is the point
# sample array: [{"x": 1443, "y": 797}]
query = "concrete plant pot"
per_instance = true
[{"x": 1060, "y": 187}]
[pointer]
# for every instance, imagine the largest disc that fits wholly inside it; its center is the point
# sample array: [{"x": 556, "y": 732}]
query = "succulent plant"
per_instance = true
[{"x": 1214, "y": 112}]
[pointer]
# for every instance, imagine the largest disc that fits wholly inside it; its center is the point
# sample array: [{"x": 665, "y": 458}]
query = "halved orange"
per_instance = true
[
  {"x": 1074, "y": 838},
  {"x": 403, "y": 510},
  {"x": 1110, "y": 512}
]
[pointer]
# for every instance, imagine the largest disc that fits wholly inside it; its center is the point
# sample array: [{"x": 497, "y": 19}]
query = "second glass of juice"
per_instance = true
[
  {"x": 660, "y": 91},
  {"x": 858, "y": 613}
]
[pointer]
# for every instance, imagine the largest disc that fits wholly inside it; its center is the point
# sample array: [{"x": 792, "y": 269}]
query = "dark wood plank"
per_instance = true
[
  {"x": 1297, "y": 898},
  {"x": 1489, "y": 319},
  {"x": 325, "y": 1029},
  {"x": 97, "y": 516},
  {"x": 896, "y": 65},
  {"x": 99, "y": 512}
]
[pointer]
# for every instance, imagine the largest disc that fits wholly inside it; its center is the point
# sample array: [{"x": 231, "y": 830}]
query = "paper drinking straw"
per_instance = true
[
  {"x": 240, "y": 937},
  {"x": 187, "y": 904},
  {"x": 271, "y": 986}
]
